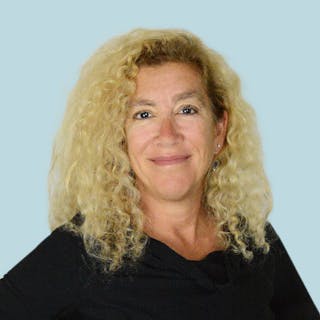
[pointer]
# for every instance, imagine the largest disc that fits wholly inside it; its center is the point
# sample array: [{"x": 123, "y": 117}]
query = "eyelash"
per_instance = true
[
  {"x": 136, "y": 115},
  {"x": 189, "y": 106},
  {"x": 186, "y": 107}
]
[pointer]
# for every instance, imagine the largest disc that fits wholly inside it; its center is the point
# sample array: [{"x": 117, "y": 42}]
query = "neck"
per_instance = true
[{"x": 184, "y": 220}]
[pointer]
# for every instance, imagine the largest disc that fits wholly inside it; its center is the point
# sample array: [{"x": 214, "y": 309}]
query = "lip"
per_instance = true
[{"x": 169, "y": 160}]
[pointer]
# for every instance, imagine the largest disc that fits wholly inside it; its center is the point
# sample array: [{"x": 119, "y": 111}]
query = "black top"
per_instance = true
[{"x": 59, "y": 281}]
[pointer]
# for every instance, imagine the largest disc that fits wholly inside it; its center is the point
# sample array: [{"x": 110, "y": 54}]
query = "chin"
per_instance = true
[
  {"x": 173, "y": 191},
  {"x": 170, "y": 187}
]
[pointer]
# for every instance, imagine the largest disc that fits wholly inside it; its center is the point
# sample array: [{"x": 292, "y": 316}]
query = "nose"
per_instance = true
[{"x": 168, "y": 131}]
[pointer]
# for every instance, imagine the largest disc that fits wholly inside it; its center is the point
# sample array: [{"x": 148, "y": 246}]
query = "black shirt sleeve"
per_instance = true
[
  {"x": 45, "y": 281},
  {"x": 290, "y": 299}
]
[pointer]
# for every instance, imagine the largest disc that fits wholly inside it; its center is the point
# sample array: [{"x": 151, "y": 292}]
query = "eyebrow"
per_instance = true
[{"x": 176, "y": 98}]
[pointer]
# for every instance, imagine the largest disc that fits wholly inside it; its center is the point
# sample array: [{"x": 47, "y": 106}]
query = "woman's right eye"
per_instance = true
[{"x": 141, "y": 115}]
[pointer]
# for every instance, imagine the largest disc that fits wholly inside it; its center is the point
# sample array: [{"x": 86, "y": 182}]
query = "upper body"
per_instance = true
[
  {"x": 58, "y": 280},
  {"x": 158, "y": 143}
]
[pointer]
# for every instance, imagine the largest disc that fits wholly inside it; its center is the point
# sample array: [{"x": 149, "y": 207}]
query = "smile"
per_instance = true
[{"x": 169, "y": 160}]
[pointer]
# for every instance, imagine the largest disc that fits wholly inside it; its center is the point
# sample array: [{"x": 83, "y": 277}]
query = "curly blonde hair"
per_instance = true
[{"x": 90, "y": 169}]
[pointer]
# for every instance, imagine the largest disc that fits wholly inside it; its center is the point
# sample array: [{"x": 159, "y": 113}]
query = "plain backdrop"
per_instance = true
[{"x": 273, "y": 46}]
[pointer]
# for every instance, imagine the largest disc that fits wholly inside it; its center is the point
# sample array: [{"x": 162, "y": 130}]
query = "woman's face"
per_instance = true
[{"x": 171, "y": 135}]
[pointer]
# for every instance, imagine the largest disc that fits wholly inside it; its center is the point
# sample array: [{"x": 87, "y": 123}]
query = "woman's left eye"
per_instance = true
[{"x": 188, "y": 110}]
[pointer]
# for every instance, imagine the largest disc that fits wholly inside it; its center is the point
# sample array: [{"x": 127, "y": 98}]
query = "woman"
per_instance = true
[{"x": 158, "y": 197}]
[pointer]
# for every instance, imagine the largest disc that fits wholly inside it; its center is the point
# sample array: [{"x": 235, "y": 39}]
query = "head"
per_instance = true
[
  {"x": 100, "y": 142},
  {"x": 172, "y": 132}
]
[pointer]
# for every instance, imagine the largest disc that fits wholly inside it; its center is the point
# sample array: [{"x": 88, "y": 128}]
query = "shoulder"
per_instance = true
[
  {"x": 54, "y": 271},
  {"x": 60, "y": 249},
  {"x": 277, "y": 248},
  {"x": 291, "y": 299}
]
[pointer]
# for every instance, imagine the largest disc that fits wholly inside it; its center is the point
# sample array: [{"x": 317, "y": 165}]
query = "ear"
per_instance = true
[{"x": 221, "y": 132}]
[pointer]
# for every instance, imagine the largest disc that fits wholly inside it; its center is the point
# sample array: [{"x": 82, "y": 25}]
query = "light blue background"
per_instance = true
[{"x": 273, "y": 45}]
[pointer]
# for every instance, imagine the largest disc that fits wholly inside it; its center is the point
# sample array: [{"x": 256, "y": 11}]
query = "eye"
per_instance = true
[
  {"x": 188, "y": 109},
  {"x": 141, "y": 115}
]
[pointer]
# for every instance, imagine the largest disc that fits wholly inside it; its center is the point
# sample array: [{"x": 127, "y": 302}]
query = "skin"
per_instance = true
[{"x": 172, "y": 142}]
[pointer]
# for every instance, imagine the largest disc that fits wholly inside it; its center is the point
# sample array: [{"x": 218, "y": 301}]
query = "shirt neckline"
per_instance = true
[
  {"x": 160, "y": 253},
  {"x": 163, "y": 249}
]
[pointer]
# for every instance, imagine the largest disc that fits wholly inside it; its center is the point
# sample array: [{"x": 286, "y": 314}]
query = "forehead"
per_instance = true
[{"x": 170, "y": 77}]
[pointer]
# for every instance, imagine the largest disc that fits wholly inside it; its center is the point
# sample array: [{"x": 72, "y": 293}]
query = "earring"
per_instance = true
[
  {"x": 218, "y": 147},
  {"x": 215, "y": 165},
  {"x": 132, "y": 174}
]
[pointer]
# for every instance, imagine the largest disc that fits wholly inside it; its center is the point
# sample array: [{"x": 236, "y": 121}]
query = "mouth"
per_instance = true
[{"x": 170, "y": 160}]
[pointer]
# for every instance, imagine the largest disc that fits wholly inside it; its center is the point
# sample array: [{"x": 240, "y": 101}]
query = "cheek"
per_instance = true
[
  {"x": 202, "y": 137},
  {"x": 136, "y": 141},
  {"x": 205, "y": 154}
]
